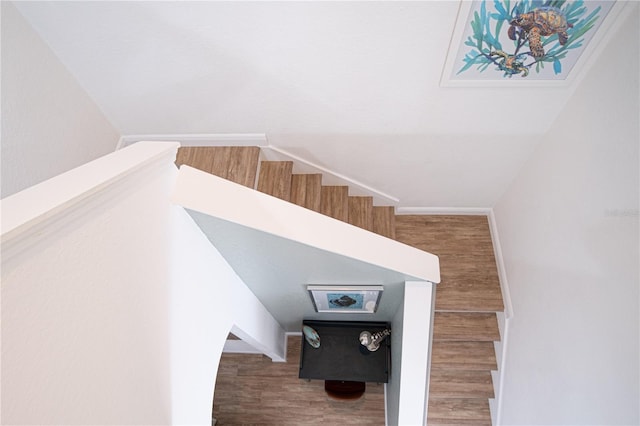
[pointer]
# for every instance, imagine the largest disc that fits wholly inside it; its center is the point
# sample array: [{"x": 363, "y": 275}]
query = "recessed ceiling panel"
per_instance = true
[{"x": 526, "y": 41}]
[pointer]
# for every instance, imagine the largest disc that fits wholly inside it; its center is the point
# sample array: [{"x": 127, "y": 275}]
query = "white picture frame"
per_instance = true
[{"x": 341, "y": 299}]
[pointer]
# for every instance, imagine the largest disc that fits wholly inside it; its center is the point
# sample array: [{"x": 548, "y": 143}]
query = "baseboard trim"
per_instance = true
[
  {"x": 461, "y": 211},
  {"x": 502, "y": 271},
  {"x": 505, "y": 320},
  {"x": 330, "y": 177},
  {"x": 203, "y": 139},
  {"x": 51, "y": 208},
  {"x": 501, "y": 372}
]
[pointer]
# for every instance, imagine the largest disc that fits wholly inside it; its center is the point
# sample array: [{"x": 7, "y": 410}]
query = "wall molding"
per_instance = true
[
  {"x": 504, "y": 320},
  {"x": 39, "y": 213},
  {"x": 502, "y": 271},
  {"x": 499, "y": 388},
  {"x": 330, "y": 177},
  {"x": 201, "y": 139}
]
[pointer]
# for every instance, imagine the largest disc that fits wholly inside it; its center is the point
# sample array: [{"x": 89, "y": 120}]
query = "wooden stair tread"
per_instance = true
[
  {"x": 465, "y": 326},
  {"x": 463, "y": 355},
  {"x": 460, "y": 238},
  {"x": 384, "y": 221},
  {"x": 237, "y": 163},
  {"x": 460, "y": 384},
  {"x": 305, "y": 190},
  {"x": 199, "y": 157},
  {"x": 459, "y": 411},
  {"x": 468, "y": 295},
  {"x": 275, "y": 178},
  {"x": 442, "y": 229},
  {"x": 334, "y": 202},
  {"x": 361, "y": 212}
]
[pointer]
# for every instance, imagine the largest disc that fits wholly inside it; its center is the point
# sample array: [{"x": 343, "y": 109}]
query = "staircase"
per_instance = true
[{"x": 467, "y": 299}]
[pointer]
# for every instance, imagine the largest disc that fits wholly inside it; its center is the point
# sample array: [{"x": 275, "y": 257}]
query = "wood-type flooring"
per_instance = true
[{"x": 253, "y": 390}]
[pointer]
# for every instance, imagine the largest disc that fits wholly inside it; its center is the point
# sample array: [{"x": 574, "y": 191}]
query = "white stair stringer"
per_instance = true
[{"x": 202, "y": 192}]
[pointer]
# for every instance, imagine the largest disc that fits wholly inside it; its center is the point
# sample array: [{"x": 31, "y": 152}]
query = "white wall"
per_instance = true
[
  {"x": 208, "y": 300},
  {"x": 255, "y": 325},
  {"x": 49, "y": 123},
  {"x": 569, "y": 233},
  {"x": 85, "y": 301},
  {"x": 201, "y": 318}
]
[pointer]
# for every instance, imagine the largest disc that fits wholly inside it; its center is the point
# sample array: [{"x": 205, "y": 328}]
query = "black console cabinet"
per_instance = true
[{"x": 341, "y": 356}]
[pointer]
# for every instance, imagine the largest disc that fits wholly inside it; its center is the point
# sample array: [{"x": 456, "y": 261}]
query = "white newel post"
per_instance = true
[{"x": 416, "y": 352}]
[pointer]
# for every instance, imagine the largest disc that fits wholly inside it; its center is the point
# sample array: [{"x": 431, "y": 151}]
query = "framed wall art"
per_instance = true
[
  {"x": 356, "y": 299},
  {"x": 520, "y": 42}
]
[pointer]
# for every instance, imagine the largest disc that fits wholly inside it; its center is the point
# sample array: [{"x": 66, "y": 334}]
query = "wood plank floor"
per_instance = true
[
  {"x": 235, "y": 163},
  {"x": 459, "y": 412},
  {"x": 467, "y": 263},
  {"x": 250, "y": 389},
  {"x": 465, "y": 326}
]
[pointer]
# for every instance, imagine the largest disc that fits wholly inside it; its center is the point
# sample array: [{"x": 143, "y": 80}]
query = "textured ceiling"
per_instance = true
[{"x": 352, "y": 86}]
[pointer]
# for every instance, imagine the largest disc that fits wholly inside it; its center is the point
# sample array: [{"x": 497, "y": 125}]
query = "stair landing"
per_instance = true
[{"x": 468, "y": 266}]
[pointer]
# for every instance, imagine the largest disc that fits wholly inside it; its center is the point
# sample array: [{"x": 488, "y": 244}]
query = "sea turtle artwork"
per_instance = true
[
  {"x": 520, "y": 38},
  {"x": 542, "y": 21},
  {"x": 344, "y": 301}
]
